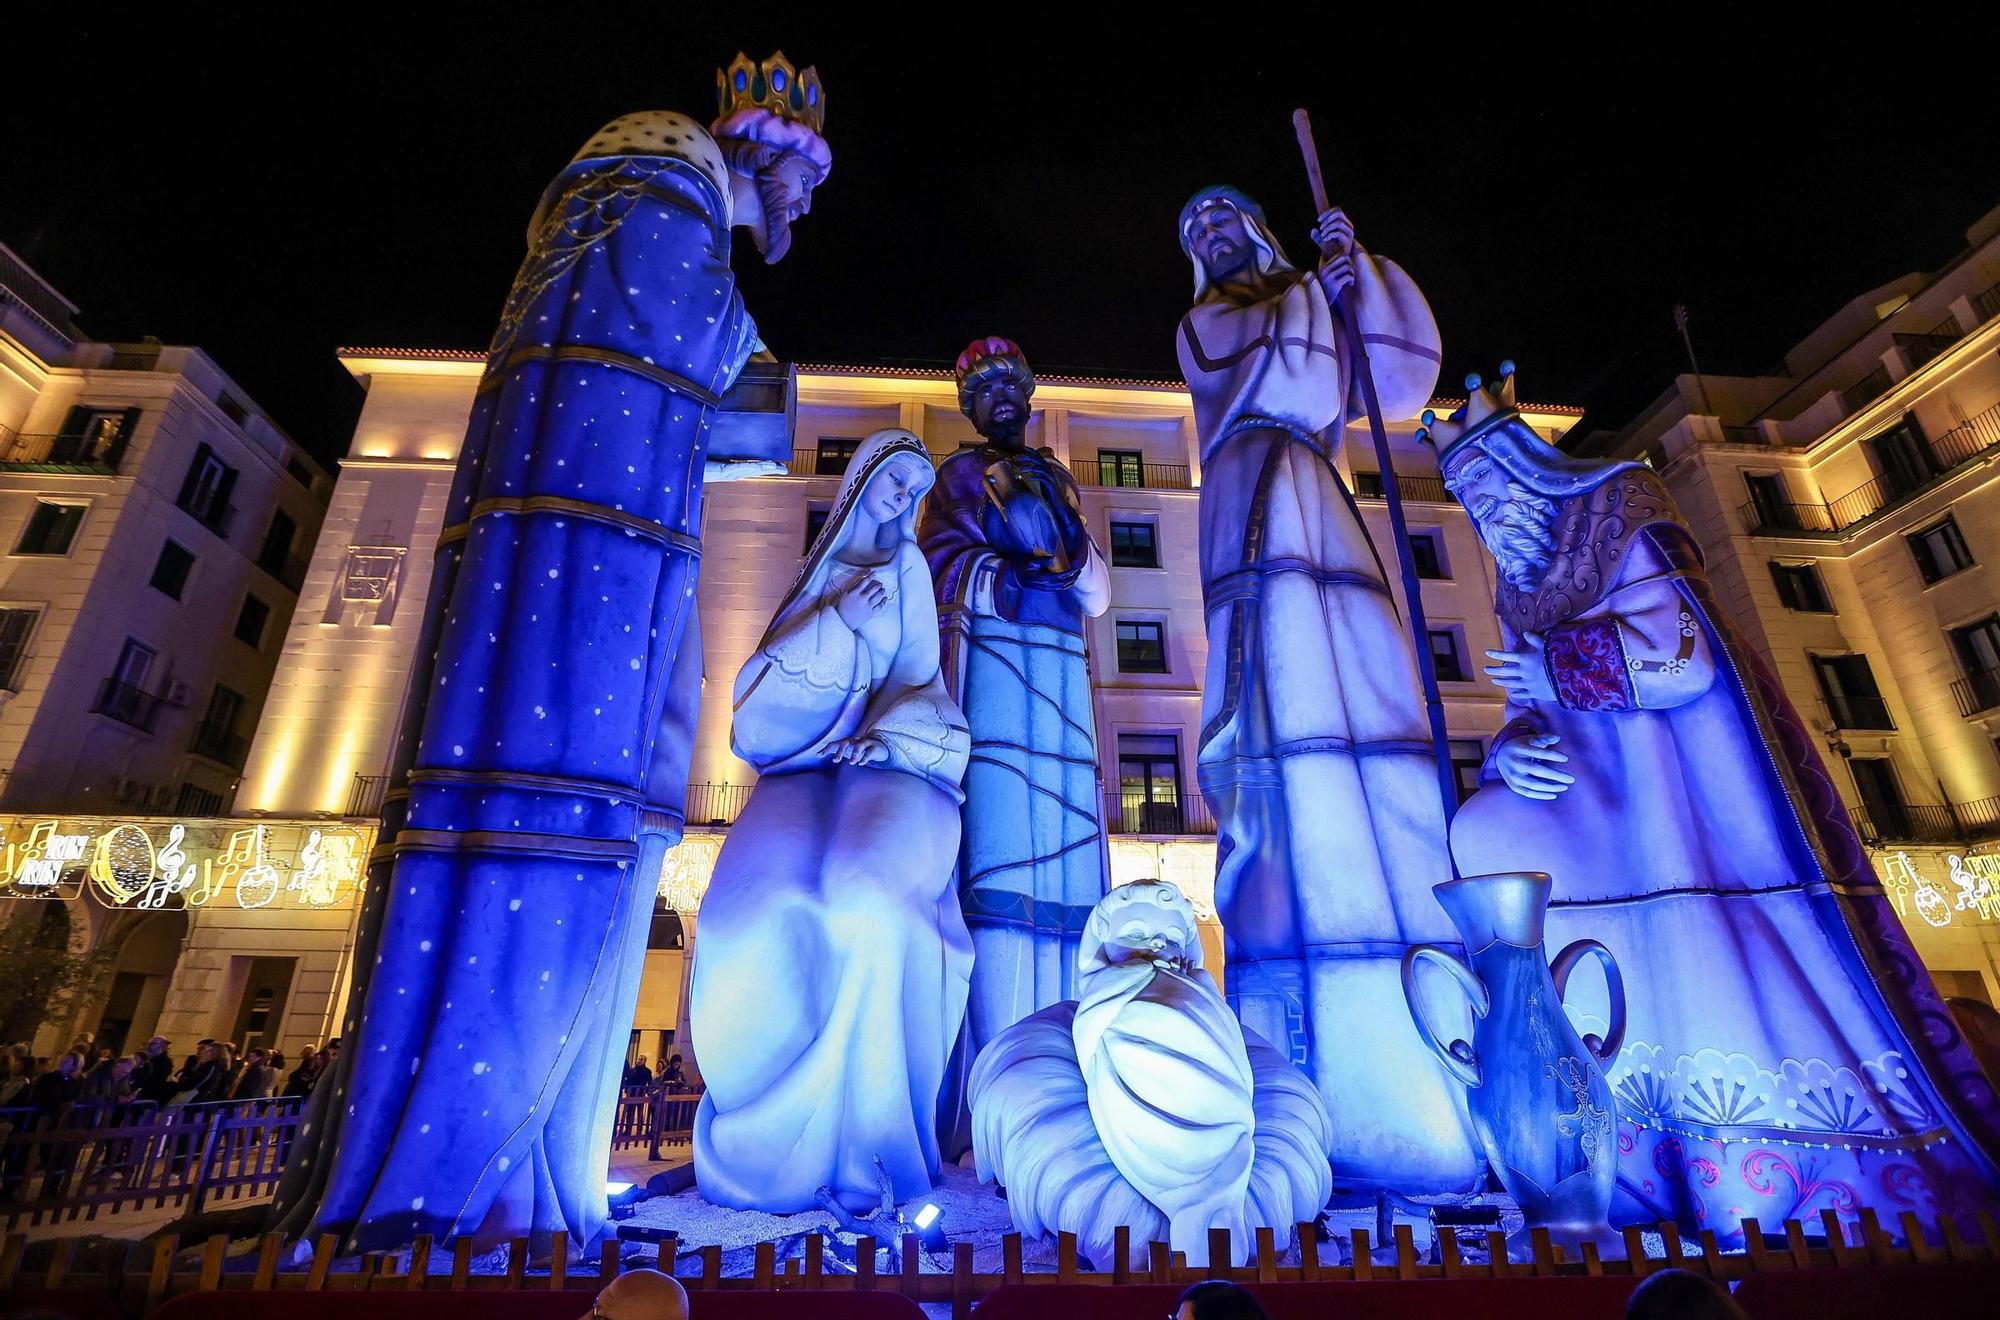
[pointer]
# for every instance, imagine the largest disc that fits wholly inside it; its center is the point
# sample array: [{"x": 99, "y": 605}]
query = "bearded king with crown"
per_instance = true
[
  {"x": 1784, "y": 1049},
  {"x": 539, "y": 775}
]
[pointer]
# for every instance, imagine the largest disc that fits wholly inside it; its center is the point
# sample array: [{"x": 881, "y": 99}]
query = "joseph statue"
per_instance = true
[
  {"x": 1017, "y": 577},
  {"x": 1315, "y": 752}
]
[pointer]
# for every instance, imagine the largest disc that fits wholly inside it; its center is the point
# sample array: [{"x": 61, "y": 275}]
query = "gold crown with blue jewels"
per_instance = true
[
  {"x": 774, "y": 85},
  {"x": 1486, "y": 408}
]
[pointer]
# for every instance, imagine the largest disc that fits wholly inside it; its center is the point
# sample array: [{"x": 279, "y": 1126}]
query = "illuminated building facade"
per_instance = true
[
  {"x": 322, "y": 748},
  {"x": 1849, "y": 509},
  {"x": 154, "y": 531}
]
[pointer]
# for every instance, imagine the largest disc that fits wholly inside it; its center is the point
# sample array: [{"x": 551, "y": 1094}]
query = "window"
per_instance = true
[
  {"x": 277, "y": 547},
  {"x": 1149, "y": 783},
  {"x": 232, "y": 408},
  {"x": 1977, "y": 646},
  {"x": 1848, "y": 685},
  {"x": 171, "y": 569},
  {"x": 1447, "y": 655},
  {"x": 1902, "y": 457},
  {"x": 1940, "y": 551},
  {"x": 206, "y": 489},
  {"x": 94, "y": 437},
  {"x": 815, "y": 522},
  {"x": 224, "y": 706},
  {"x": 1121, "y": 467},
  {"x": 1368, "y": 485},
  {"x": 51, "y": 528},
  {"x": 298, "y": 471},
  {"x": 16, "y": 627},
  {"x": 250, "y": 621},
  {"x": 1427, "y": 549},
  {"x": 123, "y": 696},
  {"x": 1881, "y": 797},
  {"x": 1142, "y": 647},
  {"x": 1799, "y": 588},
  {"x": 1467, "y": 756},
  {"x": 834, "y": 451},
  {"x": 1134, "y": 545},
  {"x": 1770, "y": 505}
]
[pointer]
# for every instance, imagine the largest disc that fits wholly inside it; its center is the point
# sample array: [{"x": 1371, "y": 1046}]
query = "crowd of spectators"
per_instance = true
[{"x": 88, "y": 1073}]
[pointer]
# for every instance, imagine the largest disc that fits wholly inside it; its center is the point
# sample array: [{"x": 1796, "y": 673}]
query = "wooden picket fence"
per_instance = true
[
  {"x": 79, "y": 1162},
  {"x": 147, "y": 1274}
]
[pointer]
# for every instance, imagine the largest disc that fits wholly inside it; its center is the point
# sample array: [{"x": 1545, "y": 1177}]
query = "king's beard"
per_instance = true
[
  {"x": 774, "y": 236},
  {"x": 1520, "y": 533}
]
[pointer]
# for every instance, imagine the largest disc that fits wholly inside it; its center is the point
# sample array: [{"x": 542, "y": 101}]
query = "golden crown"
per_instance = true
[
  {"x": 774, "y": 85},
  {"x": 1486, "y": 407}
]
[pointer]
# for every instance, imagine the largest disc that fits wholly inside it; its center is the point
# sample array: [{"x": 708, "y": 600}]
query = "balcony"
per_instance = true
[
  {"x": 57, "y": 453},
  {"x": 1986, "y": 304},
  {"x": 1412, "y": 489},
  {"x": 1978, "y": 691},
  {"x": 1136, "y": 813},
  {"x": 364, "y": 799},
  {"x": 716, "y": 804},
  {"x": 1121, "y": 472},
  {"x": 1865, "y": 391},
  {"x": 220, "y": 743},
  {"x": 1974, "y": 439},
  {"x": 1860, "y": 713},
  {"x": 129, "y": 704},
  {"x": 1948, "y": 823},
  {"x": 1921, "y": 349}
]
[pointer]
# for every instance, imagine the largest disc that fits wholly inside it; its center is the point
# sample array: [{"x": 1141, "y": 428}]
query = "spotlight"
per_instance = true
[
  {"x": 622, "y": 1196},
  {"x": 930, "y": 1228}
]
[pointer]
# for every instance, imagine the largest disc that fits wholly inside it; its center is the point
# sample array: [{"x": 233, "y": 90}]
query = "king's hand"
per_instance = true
[{"x": 1528, "y": 766}]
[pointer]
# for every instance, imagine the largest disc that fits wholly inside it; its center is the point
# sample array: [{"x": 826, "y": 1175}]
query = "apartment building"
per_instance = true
[
  {"x": 154, "y": 531},
  {"x": 1849, "y": 507}
]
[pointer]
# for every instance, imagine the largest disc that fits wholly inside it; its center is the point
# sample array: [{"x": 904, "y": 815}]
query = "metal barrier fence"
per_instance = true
[{"x": 86, "y": 1159}]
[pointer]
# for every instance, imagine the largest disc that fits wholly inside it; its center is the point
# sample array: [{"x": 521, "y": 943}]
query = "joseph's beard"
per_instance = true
[{"x": 1519, "y": 533}]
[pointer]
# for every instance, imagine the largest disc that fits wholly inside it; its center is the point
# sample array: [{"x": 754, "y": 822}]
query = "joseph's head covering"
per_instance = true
[
  {"x": 1271, "y": 257},
  {"x": 982, "y": 360}
]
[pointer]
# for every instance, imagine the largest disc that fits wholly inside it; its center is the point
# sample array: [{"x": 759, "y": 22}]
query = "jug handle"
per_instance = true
[
  {"x": 1458, "y": 1057},
  {"x": 1614, "y": 983}
]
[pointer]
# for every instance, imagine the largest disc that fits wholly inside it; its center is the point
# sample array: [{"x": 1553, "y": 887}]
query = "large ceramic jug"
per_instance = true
[{"x": 1535, "y": 1090}]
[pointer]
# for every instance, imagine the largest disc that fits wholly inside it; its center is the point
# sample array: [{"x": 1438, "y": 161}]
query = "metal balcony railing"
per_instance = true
[
  {"x": 61, "y": 453},
  {"x": 1865, "y": 391},
  {"x": 716, "y": 804},
  {"x": 1980, "y": 818},
  {"x": 1119, "y": 472},
  {"x": 1908, "y": 822},
  {"x": 365, "y": 797},
  {"x": 219, "y": 742},
  {"x": 1919, "y": 349},
  {"x": 1420, "y": 489},
  {"x": 1978, "y": 690},
  {"x": 1137, "y": 813},
  {"x": 129, "y": 704},
  {"x": 1858, "y": 712},
  {"x": 1986, "y": 304},
  {"x": 1972, "y": 439}
]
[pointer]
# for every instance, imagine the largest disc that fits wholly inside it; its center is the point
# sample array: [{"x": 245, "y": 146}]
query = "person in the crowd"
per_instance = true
[
  {"x": 201, "y": 1079},
  {"x": 153, "y": 1079},
  {"x": 638, "y": 1076},
  {"x": 674, "y": 1076},
  {"x": 300, "y": 1082},
  {"x": 640, "y": 1295},
  {"x": 256, "y": 1079},
  {"x": 103, "y": 1078},
  {"x": 1681, "y": 1295},
  {"x": 59, "y": 1086},
  {"x": 15, "y": 1074},
  {"x": 1218, "y": 1299}
]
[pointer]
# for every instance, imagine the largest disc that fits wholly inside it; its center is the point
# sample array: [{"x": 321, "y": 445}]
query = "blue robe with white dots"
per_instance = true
[{"x": 546, "y": 746}]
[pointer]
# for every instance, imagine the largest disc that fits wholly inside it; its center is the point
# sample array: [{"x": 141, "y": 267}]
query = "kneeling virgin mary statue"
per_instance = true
[{"x": 833, "y": 966}]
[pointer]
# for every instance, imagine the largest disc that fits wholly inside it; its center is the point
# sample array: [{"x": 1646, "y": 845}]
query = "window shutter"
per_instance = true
[
  {"x": 201, "y": 454},
  {"x": 219, "y": 511},
  {"x": 75, "y": 420},
  {"x": 126, "y": 427}
]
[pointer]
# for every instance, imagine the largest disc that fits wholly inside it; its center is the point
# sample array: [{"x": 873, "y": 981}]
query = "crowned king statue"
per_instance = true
[
  {"x": 539, "y": 775},
  {"x": 1783, "y": 1041},
  {"x": 1017, "y": 575}
]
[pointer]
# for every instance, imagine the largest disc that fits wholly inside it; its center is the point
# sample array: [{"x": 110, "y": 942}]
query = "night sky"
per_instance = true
[{"x": 271, "y": 193}]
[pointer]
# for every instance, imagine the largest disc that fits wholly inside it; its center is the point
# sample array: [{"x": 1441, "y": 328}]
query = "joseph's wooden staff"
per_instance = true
[{"x": 1357, "y": 356}]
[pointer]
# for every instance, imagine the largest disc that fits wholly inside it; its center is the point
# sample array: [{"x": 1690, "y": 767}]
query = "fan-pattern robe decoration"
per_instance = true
[
  {"x": 1785, "y": 1051},
  {"x": 1032, "y": 865},
  {"x": 504, "y": 927},
  {"x": 1315, "y": 750},
  {"x": 830, "y": 977}
]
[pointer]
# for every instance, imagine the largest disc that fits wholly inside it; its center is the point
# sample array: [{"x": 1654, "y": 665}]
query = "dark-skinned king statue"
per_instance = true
[
  {"x": 538, "y": 779},
  {"x": 1017, "y": 577}
]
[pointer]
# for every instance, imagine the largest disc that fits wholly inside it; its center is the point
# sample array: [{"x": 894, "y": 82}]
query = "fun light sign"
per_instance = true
[
  {"x": 1971, "y": 890},
  {"x": 153, "y": 863}
]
